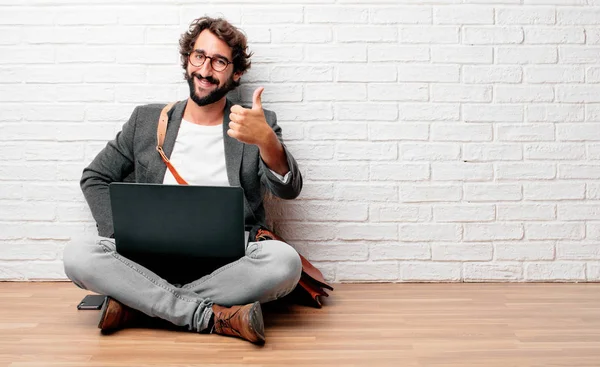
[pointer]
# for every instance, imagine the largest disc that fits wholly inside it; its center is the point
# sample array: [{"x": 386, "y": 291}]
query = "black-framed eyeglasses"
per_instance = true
[{"x": 218, "y": 63}]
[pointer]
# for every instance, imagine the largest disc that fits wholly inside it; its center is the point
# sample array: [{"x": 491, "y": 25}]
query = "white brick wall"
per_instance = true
[{"x": 439, "y": 141}]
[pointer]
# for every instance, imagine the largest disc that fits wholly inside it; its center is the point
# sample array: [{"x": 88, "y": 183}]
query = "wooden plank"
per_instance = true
[{"x": 433, "y": 324}]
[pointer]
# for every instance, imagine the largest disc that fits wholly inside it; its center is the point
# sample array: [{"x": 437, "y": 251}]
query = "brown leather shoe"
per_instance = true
[
  {"x": 116, "y": 315},
  {"x": 245, "y": 322}
]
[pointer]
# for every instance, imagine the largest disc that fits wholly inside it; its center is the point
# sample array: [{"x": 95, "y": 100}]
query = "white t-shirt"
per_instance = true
[{"x": 199, "y": 155}]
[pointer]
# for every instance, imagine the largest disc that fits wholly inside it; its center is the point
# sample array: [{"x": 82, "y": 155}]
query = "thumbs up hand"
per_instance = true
[{"x": 249, "y": 125}]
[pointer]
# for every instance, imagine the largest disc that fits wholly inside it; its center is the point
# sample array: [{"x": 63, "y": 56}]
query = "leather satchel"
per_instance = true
[{"x": 311, "y": 286}]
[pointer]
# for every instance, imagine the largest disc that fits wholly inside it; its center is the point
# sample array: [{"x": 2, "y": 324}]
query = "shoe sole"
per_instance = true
[
  {"x": 103, "y": 313},
  {"x": 257, "y": 323}
]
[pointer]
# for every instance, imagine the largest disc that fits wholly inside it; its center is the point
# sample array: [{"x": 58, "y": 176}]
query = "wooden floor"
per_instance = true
[{"x": 360, "y": 325}]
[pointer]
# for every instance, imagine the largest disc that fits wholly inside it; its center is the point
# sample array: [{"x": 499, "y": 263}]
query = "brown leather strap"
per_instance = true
[
  {"x": 160, "y": 137},
  {"x": 162, "y": 124}
]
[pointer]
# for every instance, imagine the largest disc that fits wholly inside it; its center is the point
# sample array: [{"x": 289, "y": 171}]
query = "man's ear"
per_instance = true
[{"x": 236, "y": 76}]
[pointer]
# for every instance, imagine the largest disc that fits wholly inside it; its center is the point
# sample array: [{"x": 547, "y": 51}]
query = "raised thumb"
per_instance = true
[{"x": 256, "y": 98}]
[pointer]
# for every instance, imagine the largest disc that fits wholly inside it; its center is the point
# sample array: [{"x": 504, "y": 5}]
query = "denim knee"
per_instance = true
[
  {"x": 284, "y": 265},
  {"x": 78, "y": 263}
]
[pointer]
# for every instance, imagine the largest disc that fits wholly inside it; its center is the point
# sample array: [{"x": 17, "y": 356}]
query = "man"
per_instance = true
[{"x": 210, "y": 142}]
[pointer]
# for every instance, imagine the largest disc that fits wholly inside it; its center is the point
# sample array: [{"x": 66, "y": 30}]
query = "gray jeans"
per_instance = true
[{"x": 270, "y": 270}]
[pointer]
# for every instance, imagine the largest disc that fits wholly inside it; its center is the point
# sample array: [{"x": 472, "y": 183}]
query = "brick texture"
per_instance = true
[{"x": 439, "y": 140}]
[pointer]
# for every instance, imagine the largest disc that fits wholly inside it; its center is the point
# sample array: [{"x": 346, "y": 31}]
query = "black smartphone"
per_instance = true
[{"x": 91, "y": 302}]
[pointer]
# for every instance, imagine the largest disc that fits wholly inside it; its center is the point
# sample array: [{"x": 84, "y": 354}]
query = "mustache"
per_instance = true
[{"x": 209, "y": 79}]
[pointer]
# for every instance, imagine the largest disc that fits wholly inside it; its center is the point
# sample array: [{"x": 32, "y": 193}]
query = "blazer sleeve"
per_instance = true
[
  {"x": 292, "y": 188},
  {"x": 113, "y": 164}
]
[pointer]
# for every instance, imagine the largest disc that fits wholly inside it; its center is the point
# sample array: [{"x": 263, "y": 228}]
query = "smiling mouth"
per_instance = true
[{"x": 204, "y": 83}]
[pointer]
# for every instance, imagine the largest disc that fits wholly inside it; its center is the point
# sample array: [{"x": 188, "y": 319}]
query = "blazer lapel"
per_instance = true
[
  {"x": 233, "y": 150},
  {"x": 159, "y": 167}
]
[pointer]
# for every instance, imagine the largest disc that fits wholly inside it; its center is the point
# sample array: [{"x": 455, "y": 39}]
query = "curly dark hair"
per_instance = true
[{"x": 224, "y": 31}]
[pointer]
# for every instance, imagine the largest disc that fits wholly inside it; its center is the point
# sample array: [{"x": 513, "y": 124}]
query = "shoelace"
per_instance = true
[{"x": 225, "y": 323}]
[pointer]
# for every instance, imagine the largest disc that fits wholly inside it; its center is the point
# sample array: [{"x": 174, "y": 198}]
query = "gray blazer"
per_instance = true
[{"x": 132, "y": 156}]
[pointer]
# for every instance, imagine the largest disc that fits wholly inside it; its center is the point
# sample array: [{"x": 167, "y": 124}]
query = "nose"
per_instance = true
[{"x": 206, "y": 69}]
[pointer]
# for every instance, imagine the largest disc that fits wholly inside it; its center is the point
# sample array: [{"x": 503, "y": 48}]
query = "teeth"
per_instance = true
[{"x": 203, "y": 80}]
